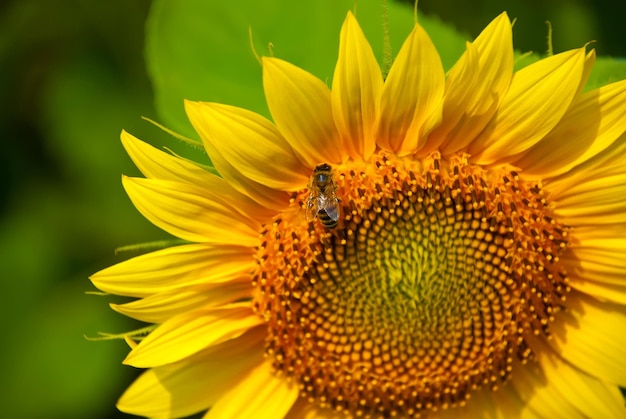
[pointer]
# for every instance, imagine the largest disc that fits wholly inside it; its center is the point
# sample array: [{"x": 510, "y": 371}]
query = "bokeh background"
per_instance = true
[{"x": 72, "y": 75}]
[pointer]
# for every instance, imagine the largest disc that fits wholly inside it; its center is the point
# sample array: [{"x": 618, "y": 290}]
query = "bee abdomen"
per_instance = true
[{"x": 326, "y": 220}]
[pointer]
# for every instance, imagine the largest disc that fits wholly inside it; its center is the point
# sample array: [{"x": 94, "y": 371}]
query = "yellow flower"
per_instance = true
[{"x": 477, "y": 266}]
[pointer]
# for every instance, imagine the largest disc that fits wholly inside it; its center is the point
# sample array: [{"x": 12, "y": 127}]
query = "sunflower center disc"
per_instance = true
[{"x": 431, "y": 286}]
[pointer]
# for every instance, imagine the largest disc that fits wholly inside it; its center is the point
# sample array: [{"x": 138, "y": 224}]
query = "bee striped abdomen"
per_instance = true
[{"x": 328, "y": 220}]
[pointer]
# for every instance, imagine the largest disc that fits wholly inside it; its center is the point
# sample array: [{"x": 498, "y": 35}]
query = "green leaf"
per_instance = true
[{"x": 201, "y": 50}]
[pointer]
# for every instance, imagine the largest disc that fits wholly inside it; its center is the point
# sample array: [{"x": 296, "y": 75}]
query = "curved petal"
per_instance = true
[
  {"x": 411, "y": 100},
  {"x": 195, "y": 384},
  {"x": 176, "y": 267},
  {"x": 537, "y": 99},
  {"x": 590, "y": 335},
  {"x": 301, "y": 107},
  {"x": 614, "y": 293},
  {"x": 556, "y": 389},
  {"x": 189, "y": 333},
  {"x": 157, "y": 164},
  {"x": 158, "y": 308},
  {"x": 251, "y": 144},
  {"x": 590, "y": 60},
  {"x": 486, "y": 66},
  {"x": 357, "y": 84},
  {"x": 190, "y": 212},
  {"x": 606, "y": 162},
  {"x": 595, "y": 120},
  {"x": 262, "y": 391},
  {"x": 595, "y": 201},
  {"x": 592, "y": 192},
  {"x": 599, "y": 257}
]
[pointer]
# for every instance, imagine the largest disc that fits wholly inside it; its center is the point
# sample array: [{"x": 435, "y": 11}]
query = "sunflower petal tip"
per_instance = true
[
  {"x": 190, "y": 104},
  {"x": 129, "y": 359}
]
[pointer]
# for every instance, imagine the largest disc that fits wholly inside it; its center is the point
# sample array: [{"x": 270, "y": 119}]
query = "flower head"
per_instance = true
[{"x": 389, "y": 247}]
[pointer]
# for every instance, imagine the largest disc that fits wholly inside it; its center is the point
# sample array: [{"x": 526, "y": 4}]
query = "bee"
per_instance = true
[{"x": 323, "y": 202}]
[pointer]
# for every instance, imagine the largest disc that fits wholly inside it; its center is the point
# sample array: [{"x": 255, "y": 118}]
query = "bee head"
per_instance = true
[
  {"x": 324, "y": 167},
  {"x": 322, "y": 174}
]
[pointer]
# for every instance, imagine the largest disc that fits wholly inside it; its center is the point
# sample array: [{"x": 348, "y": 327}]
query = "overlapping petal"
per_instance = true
[
  {"x": 600, "y": 290},
  {"x": 196, "y": 383},
  {"x": 594, "y": 202},
  {"x": 190, "y": 332},
  {"x": 252, "y": 145},
  {"x": 191, "y": 212},
  {"x": 301, "y": 107},
  {"x": 557, "y": 389},
  {"x": 411, "y": 100},
  {"x": 594, "y": 121},
  {"x": 486, "y": 66},
  {"x": 537, "y": 99},
  {"x": 599, "y": 257},
  {"x": 157, "y": 164},
  {"x": 591, "y": 193},
  {"x": 175, "y": 267},
  {"x": 357, "y": 84},
  {"x": 158, "y": 308},
  {"x": 590, "y": 335},
  {"x": 260, "y": 391}
]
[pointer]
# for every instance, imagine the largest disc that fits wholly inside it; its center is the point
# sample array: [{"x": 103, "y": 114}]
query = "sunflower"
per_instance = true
[{"x": 415, "y": 245}]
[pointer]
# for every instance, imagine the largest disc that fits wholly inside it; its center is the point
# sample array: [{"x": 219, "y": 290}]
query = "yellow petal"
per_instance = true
[
  {"x": 356, "y": 86},
  {"x": 590, "y": 60},
  {"x": 189, "y": 333},
  {"x": 157, "y": 164},
  {"x": 600, "y": 291},
  {"x": 537, "y": 99},
  {"x": 300, "y": 105},
  {"x": 590, "y": 335},
  {"x": 578, "y": 204},
  {"x": 606, "y": 162},
  {"x": 160, "y": 307},
  {"x": 252, "y": 145},
  {"x": 191, "y": 212},
  {"x": 540, "y": 399},
  {"x": 486, "y": 66},
  {"x": 595, "y": 120},
  {"x": 599, "y": 257},
  {"x": 195, "y": 384},
  {"x": 176, "y": 267},
  {"x": 595, "y": 201},
  {"x": 260, "y": 395},
  {"x": 590, "y": 396},
  {"x": 411, "y": 100},
  {"x": 556, "y": 389}
]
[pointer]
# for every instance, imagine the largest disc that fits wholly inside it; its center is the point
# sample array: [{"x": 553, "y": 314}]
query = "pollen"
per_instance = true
[{"x": 434, "y": 284}]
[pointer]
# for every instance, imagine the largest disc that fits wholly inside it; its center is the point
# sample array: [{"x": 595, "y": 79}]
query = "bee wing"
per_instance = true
[
  {"x": 333, "y": 213},
  {"x": 331, "y": 206},
  {"x": 311, "y": 208}
]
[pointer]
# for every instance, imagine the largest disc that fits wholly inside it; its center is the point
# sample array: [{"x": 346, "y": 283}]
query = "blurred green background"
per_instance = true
[{"x": 72, "y": 75}]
